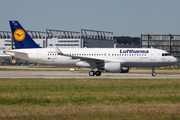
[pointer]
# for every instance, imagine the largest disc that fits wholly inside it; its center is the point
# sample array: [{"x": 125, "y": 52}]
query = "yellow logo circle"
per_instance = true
[{"x": 19, "y": 34}]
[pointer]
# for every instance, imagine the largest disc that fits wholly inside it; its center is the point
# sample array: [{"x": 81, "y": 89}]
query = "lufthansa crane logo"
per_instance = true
[{"x": 19, "y": 34}]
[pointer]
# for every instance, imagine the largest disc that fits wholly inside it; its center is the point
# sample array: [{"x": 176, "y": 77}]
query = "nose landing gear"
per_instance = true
[{"x": 153, "y": 72}]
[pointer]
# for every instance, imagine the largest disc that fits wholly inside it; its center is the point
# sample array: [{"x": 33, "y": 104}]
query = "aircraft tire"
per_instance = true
[
  {"x": 91, "y": 73},
  {"x": 153, "y": 74},
  {"x": 98, "y": 73}
]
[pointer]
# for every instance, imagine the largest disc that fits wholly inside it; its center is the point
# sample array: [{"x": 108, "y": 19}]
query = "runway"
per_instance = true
[{"x": 76, "y": 74}]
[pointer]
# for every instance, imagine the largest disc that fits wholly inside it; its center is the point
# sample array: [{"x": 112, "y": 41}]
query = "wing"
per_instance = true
[{"x": 94, "y": 62}]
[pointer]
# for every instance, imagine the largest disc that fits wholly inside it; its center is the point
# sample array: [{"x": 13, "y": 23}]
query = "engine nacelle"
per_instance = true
[
  {"x": 124, "y": 69},
  {"x": 112, "y": 67}
]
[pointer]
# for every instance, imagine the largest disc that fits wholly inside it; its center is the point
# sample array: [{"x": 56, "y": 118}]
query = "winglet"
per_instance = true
[{"x": 57, "y": 50}]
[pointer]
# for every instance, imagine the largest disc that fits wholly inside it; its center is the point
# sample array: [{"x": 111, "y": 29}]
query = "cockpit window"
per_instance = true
[{"x": 166, "y": 54}]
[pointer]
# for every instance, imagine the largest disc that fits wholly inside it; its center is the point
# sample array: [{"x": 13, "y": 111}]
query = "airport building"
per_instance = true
[
  {"x": 82, "y": 39},
  {"x": 167, "y": 42},
  {"x": 62, "y": 39}
]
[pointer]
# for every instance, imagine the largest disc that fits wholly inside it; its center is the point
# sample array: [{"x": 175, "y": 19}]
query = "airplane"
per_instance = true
[{"x": 113, "y": 60}]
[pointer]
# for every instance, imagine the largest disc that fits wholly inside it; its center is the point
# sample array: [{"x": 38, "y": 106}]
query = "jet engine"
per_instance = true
[
  {"x": 112, "y": 67},
  {"x": 115, "y": 68}
]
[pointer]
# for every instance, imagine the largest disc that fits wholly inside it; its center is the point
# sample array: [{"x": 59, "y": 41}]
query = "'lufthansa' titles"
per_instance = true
[{"x": 134, "y": 51}]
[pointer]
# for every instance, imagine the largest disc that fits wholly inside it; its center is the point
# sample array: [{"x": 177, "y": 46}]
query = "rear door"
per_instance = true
[{"x": 39, "y": 55}]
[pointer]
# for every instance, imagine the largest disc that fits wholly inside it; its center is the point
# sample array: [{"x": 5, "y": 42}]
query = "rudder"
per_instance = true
[{"x": 21, "y": 37}]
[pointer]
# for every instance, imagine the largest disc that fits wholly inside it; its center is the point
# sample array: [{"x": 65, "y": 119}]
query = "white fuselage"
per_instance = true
[{"x": 128, "y": 57}]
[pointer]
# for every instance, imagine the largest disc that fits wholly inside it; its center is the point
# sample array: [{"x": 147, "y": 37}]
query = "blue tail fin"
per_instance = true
[{"x": 20, "y": 36}]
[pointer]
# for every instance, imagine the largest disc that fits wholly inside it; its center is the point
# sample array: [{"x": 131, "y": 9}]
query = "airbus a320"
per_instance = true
[{"x": 113, "y": 60}]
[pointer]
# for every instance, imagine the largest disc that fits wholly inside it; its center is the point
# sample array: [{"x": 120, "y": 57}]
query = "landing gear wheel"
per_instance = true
[
  {"x": 98, "y": 73},
  {"x": 153, "y": 74},
  {"x": 91, "y": 73}
]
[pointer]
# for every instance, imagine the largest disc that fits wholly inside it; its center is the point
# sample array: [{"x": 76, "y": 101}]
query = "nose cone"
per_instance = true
[{"x": 174, "y": 60}]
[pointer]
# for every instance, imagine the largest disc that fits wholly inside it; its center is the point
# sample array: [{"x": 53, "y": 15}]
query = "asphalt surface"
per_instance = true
[
  {"x": 69, "y": 74},
  {"x": 78, "y": 74}
]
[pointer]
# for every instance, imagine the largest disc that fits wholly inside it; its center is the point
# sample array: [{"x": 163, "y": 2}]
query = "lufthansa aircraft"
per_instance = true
[{"x": 114, "y": 60}]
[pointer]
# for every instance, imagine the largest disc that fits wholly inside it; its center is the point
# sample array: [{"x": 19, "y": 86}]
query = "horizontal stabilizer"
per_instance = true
[{"x": 15, "y": 52}]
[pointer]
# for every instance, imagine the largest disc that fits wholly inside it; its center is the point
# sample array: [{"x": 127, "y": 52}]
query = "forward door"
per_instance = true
[{"x": 153, "y": 55}]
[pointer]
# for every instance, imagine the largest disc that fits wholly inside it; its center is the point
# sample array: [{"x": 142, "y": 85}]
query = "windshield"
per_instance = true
[{"x": 166, "y": 54}]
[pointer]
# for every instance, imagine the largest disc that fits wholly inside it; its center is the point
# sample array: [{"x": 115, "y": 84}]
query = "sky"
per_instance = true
[{"x": 122, "y": 17}]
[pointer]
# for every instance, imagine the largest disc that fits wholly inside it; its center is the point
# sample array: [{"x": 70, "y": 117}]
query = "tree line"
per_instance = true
[{"x": 127, "y": 40}]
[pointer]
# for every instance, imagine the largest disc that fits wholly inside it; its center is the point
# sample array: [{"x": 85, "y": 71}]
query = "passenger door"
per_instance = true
[
  {"x": 39, "y": 55},
  {"x": 153, "y": 55}
]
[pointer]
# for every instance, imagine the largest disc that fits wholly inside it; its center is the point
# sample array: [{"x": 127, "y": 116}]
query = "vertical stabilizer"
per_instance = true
[{"x": 21, "y": 38}]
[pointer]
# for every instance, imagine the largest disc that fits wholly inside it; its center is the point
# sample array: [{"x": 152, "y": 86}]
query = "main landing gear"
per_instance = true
[
  {"x": 153, "y": 72},
  {"x": 97, "y": 73}
]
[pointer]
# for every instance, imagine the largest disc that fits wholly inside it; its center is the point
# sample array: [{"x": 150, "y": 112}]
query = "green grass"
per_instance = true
[
  {"x": 75, "y": 91},
  {"x": 89, "y": 99}
]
